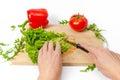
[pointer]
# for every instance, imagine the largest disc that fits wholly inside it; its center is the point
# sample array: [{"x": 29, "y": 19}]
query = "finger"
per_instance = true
[
  {"x": 58, "y": 48},
  {"x": 40, "y": 53},
  {"x": 45, "y": 47},
  {"x": 116, "y": 55},
  {"x": 93, "y": 57},
  {"x": 90, "y": 48},
  {"x": 50, "y": 47},
  {"x": 97, "y": 52}
]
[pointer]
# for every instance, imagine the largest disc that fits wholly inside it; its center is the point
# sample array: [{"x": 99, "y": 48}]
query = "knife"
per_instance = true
[{"x": 77, "y": 45}]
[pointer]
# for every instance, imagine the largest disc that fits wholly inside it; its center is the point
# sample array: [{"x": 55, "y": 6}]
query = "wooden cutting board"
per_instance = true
[{"x": 74, "y": 56}]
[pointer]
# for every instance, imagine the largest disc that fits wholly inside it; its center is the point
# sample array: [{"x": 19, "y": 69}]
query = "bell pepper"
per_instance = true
[
  {"x": 35, "y": 24},
  {"x": 37, "y": 17}
]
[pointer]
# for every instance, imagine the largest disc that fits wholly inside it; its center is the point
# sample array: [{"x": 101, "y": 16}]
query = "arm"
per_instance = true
[{"x": 106, "y": 61}]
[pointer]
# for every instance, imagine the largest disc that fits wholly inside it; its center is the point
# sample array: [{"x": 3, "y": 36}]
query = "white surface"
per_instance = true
[{"x": 104, "y": 13}]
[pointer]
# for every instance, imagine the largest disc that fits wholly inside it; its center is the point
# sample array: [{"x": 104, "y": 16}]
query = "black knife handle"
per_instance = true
[{"x": 79, "y": 46}]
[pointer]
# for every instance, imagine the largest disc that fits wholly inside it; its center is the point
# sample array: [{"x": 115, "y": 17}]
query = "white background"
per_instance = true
[{"x": 105, "y": 13}]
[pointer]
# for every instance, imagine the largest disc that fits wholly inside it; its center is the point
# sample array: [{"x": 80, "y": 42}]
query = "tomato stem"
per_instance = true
[{"x": 78, "y": 16}]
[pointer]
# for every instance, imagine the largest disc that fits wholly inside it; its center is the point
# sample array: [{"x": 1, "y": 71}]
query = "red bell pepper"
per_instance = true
[
  {"x": 35, "y": 24},
  {"x": 37, "y": 17}
]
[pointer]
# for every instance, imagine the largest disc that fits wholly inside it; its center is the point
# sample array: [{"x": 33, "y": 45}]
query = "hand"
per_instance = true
[
  {"x": 50, "y": 62},
  {"x": 106, "y": 61}
]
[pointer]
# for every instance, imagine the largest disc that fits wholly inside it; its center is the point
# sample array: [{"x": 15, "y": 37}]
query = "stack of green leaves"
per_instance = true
[{"x": 35, "y": 38}]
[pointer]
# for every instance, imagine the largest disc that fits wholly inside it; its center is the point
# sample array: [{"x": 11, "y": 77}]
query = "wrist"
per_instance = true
[
  {"x": 49, "y": 77},
  {"x": 42, "y": 77}
]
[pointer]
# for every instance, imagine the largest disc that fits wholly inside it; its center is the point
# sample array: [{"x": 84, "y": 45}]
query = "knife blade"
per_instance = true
[{"x": 77, "y": 45}]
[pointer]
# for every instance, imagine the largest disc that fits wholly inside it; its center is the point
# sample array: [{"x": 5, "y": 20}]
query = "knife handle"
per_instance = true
[{"x": 82, "y": 48}]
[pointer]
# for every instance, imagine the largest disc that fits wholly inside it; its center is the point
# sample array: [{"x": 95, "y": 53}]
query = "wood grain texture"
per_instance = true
[{"x": 72, "y": 57}]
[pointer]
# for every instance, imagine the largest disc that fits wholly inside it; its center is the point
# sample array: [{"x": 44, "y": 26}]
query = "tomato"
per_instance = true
[
  {"x": 37, "y": 14},
  {"x": 37, "y": 18},
  {"x": 78, "y": 22},
  {"x": 35, "y": 24}
]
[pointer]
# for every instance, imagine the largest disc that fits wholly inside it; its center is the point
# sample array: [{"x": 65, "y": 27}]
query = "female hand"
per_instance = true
[
  {"x": 106, "y": 61},
  {"x": 50, "y": 62}
]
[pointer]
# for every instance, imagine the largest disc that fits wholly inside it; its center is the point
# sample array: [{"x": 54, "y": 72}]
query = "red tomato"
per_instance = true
[
  {"x": 78, "y": 22},
  {"x": 37, "y": 14},
  {"x": 36, "y": 24}
]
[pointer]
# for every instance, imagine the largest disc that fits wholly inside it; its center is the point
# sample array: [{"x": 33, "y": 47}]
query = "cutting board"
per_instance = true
[{"x": 72, "y": 57}]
